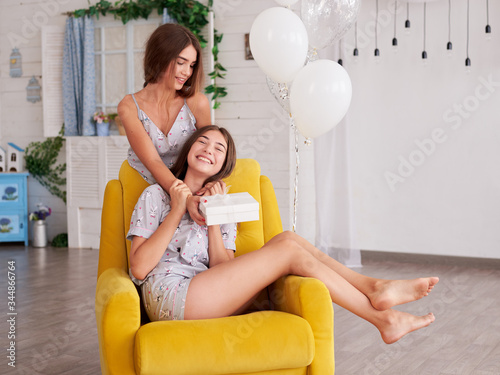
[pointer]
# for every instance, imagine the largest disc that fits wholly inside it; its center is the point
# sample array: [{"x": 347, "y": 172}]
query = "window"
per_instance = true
[{"x": 119, "y": 51}]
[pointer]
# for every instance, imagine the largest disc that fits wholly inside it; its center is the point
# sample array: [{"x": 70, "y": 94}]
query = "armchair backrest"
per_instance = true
[{"x": 121, "y": 196}]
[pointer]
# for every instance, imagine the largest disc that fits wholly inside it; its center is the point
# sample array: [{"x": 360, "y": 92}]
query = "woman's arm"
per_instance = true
[
  {"x": 145, "y": 253},
  {"x": 142, "y": 144},
  {"x": 200, "y": 107},
  {"x": 217, "y": 252}
]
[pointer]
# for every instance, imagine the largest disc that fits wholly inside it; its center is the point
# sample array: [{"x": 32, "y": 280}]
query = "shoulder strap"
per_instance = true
[{"x": 137, "y": 105}]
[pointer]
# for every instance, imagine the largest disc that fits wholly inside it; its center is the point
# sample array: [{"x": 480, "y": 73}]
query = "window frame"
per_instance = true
[{"x": 129, "y": 52}]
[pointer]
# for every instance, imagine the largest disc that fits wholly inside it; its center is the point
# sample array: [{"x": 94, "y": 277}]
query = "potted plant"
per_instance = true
[
  {"x": 41, "y": 162},
  {"x": 39, "y": 229},
  {"x": 102, "y": 123}
]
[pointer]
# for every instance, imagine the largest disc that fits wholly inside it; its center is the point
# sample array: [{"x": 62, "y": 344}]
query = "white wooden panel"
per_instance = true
[
  {"x": 52, "y": 59},
  {"x": 208, "y": 57},
  {"x": 89, "y": 241},
  {"x": 236, "y": 110},
  {"x": 232, "y": 25},
  {"x": 249, "y": 92},
  {"x": 116, "y": 152},
  {"x": 244, "y": 75},
  {"x": 233, "y": 42},
  {"x": 83, "y": 171},
  {"x": 235, "y": 59},
  {"x": 90, "y": 227}
]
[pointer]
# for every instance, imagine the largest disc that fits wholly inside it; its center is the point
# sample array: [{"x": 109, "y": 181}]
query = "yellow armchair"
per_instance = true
[{"x": 296, "y": 337}]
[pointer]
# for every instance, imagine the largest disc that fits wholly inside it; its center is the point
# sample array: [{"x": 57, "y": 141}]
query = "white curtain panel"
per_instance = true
[{"x": 335, "y": 222}]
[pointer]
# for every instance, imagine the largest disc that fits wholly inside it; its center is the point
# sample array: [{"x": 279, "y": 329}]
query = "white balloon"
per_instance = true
[
  {"x": 278, "y": 41},
  {"x": 327, "y": 21},
  {"x": 320, "y": 97},
  {"x": 286, "y": 3}
]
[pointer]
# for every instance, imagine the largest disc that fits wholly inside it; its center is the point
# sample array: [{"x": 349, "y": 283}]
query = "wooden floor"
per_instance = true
[{"x": 56, "y": 334}]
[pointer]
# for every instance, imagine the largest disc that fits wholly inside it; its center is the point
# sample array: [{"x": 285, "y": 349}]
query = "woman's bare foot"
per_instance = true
[
  {"x": 399, "y": 323},
  {"x": 389, "y": 293}
]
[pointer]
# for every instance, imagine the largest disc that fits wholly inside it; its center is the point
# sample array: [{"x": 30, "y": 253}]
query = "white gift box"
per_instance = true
[{"x": 229, "y": 208}]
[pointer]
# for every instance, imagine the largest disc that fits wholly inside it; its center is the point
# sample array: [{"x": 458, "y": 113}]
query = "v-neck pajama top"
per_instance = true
[{"x": 168, "y": 145}]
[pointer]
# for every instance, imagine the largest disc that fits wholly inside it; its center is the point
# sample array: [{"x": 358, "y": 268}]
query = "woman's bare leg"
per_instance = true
[
  {"x": 224, "y": 289},
  {"x": 383, "y": 294}
]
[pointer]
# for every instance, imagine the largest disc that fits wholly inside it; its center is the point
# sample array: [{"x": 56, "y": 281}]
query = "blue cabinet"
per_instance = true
[{"x": 14, "y": 207}]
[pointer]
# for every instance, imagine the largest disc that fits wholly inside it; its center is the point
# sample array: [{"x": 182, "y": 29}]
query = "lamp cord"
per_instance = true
[
  {"x": 467, "y": 28},
  {"x": 376, "y": 24},
  {"x": 356, "y": 34},
  {"x": 395, "y": 16},
  {"x": 487, "y": 12},
  {"x": 449, "y": 20},
  {"x": 424, "y": 22}
]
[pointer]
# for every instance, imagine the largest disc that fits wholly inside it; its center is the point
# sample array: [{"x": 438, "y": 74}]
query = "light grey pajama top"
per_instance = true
[
  {"x": 168, "y": 145},
  {"x": 165, "y": 287}
]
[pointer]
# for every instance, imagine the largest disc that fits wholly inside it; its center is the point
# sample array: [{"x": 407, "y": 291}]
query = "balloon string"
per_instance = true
[{"x": 296, "y": 181}]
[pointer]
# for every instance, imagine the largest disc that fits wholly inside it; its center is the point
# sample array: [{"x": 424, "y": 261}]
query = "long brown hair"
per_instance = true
[
  {"x": 180, "y": 167},
  {"x": 162, "y": 49}
]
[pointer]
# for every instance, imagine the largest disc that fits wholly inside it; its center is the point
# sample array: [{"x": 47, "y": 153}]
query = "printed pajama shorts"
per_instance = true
[{"x": 165, "y": 299}]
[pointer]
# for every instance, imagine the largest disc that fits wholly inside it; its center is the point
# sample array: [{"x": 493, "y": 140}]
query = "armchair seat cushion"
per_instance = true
[{"x": 256, "y": 342}]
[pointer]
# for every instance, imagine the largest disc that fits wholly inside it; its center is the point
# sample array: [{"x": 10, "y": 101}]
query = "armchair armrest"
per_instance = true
[
  {"x": 117, "y": 307},
  {"x": 310, "y": 299}
]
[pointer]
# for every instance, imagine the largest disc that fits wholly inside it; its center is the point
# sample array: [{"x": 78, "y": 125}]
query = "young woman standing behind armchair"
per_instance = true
[{"x": 159, "y": 118}]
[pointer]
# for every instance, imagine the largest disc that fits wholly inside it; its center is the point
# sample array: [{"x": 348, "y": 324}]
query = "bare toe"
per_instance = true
[
  {"x": 389, "y": 293},
  {"x": 402, "y": 323}
]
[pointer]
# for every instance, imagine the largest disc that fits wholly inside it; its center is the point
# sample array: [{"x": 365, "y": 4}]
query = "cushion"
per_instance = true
[{"x": 260, "y": 341}]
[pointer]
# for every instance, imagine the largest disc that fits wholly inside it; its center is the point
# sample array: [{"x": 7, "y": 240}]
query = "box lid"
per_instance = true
[{"x": 220, "y": 204}]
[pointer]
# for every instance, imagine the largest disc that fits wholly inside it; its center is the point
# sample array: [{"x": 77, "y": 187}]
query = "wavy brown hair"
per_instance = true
[
  {"x": 162, "y": 49},
  {"x": 180, "y": 167}
]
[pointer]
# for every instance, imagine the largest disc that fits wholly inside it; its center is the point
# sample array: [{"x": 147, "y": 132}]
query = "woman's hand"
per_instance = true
[
  {"x": 192, "y": 206},
  {"x": 205, "y": 188},
  {"x": 193, "y": 202},
  {"x": 217, "y": 187},
  {"x": 179, "y": 193}
]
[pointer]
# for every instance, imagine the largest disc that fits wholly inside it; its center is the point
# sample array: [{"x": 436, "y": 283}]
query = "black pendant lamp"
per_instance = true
[
  {"x": 395, "y": 39},
  {"x": 355, "y": 52},
  {"x": 424, "y": 52},
  {"x": 467, "y": 60},
  {"x": 376, "y": 53}
]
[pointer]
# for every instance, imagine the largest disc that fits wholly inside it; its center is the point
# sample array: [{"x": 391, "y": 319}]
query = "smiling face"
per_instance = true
[
  {"x": 208, "y": 153},
  {"x": 183, "y": 66}
]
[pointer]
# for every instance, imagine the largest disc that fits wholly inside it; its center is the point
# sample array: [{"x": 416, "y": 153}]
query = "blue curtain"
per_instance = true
[
  {"x": 167, "y": 18},
  {"x": 79, "y": 77}
]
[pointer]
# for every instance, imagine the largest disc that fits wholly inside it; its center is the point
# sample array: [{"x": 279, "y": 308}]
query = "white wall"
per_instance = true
[
  {"x": 447, "y": 202},
  {"x": 20, "y": 120},
  {"x": 446, "y": 205},
  {"x": 257, "y": 122},
  {"x": 260, "y": 126}
]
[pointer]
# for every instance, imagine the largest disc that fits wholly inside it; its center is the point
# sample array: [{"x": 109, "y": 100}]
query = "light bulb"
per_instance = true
[
  {"x": 424, "y": 58},
  {"x": 355, "y": 55},
  {"x": 449, "y": 49},
  {"x": 487, "y": 31},
  {"x": 395, "y": 45},
  {"x": 467, "y": 65},
  {"x": 407, "y": 27}
]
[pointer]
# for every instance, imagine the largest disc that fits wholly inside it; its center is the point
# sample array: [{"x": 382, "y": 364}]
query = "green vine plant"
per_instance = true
[
  {"x": 189, "y": 13},
  {"x": 41, "y": 158}
]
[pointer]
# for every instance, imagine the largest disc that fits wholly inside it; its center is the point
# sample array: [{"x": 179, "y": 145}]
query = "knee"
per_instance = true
[{"x": 287, "y": 236}]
